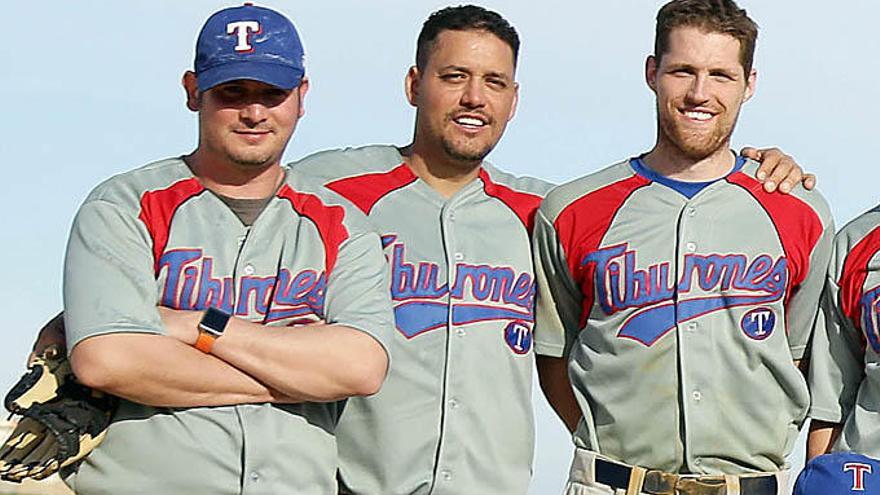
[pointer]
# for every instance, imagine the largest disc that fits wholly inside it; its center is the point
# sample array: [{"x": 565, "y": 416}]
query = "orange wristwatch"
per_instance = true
[{"x": 211, "y": 328}]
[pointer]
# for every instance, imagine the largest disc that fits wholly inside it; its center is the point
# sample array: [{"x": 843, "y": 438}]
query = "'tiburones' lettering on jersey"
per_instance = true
[
  {"x": 620, "y": 285},
  {"x": 417, "y": 292},
  {"x": 190, "y": 285}
]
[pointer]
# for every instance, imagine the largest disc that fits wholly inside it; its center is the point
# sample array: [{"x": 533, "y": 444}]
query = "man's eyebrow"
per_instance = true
[
  {"x": 502, "y": 75},
  {"x": 679, "y": 65},
  {"x": 467, "y": 70},
  {"x": 687, "y": 65},
  {"x": 454, "y": 67}
]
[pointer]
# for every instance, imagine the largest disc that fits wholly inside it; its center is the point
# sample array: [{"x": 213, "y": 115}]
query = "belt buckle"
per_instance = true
[
  {"x": 703, "y": 485},
  {"x": 663, "y": 483},
  {"x": 659, "y": 482}
]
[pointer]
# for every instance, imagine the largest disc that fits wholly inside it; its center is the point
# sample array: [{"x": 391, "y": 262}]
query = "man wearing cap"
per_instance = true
[
  {"x": 183, "y": 277},
  {"x": 418, "y": 434}
]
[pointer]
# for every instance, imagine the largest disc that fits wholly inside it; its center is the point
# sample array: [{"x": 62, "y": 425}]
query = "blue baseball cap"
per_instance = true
[
  {"x": 249, "y": 42},
  {"x": 840, "y": 473}
]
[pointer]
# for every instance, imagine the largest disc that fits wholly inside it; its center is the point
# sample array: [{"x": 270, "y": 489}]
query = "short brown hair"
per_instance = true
[
  {"x": 463, "y": 18},
  {"x": 714, "y": 16}
]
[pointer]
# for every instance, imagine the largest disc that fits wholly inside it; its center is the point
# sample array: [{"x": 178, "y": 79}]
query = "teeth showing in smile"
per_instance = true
[
  {"x": 698, "y": 115},
  {"x": 469, "y": 121}
]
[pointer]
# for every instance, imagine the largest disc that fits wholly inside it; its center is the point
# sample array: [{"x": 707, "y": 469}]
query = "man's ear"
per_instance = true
[
  {"x": 515, "y": 101},
  {"x": 751, "y": 85},
  {"x": 302, "y": 90},
  {"x": 651, "y": 72},
  {"x": 411, "y": 86},
  {"x": 191, "y": 86}
]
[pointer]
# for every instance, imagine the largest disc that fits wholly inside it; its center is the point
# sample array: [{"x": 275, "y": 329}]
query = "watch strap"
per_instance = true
[
  {"x": 211, "y": 327},
  {"x": 205, "y": 341}
]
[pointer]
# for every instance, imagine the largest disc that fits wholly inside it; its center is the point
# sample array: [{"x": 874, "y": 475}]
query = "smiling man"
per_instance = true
[
  {"x": 184, "y": 277},
  {"x": 456, "y": 232},
  {"x": 677, "y": 294},
  {"x": 455, "y": 415}
]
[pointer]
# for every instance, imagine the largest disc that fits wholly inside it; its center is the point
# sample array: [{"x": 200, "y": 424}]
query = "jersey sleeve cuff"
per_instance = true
[
  {"x": 74, "y": 338},
  {"x": 551, "y": 350},
  {"x": 829, "y": 415}
]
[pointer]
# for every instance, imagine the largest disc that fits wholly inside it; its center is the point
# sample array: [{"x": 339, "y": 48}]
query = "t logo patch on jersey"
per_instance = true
[
  {"x": 518, "y": 336},
  {"x": 758, "y": 323},
  {"x": 858, "y": 474},
  {"x": 242, "y": 31}
]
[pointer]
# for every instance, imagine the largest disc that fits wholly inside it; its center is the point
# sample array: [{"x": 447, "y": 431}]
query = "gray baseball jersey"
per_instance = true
[
  {"x": 156, "y": 236},
  {"x": 455, "y": 414},
  {"x": 845, "y": 355},
  {"x": 682, "y": 307}
]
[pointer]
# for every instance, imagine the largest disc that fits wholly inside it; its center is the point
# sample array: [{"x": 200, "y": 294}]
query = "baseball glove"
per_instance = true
[{"x": 61, "y": 420}]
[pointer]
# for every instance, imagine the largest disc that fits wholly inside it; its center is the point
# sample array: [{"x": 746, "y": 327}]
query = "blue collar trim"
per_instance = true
[{"x": 686, "y": 189}]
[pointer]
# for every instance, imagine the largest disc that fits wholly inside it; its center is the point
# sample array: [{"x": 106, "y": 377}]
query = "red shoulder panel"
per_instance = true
[
  {"x": 581, "y": 226},
  {"x": 327, "y": 218},
  {"x": 366, "y": 190},
  {"x": 158, "y": 208},
  {"x": 855, "y": 271},
  {"x": 524, "y": 205},
  {"x": 798, "y": 226}
]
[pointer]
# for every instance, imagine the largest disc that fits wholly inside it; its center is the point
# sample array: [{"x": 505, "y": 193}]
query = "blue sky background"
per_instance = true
[{"x": 92, "y": 88}]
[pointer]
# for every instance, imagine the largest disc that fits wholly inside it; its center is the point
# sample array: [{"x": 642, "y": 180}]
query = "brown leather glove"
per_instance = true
[{"x": 61, "y": 420}]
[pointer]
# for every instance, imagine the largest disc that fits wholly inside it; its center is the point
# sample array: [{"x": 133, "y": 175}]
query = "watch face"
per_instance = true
[{"x": 214, "y": 321}]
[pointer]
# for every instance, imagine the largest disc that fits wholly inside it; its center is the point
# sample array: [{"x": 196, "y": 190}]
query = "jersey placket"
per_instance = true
[
  {"x": 693, "y": 340},
  {"x": 251, "y": 417},
  {"x": 449, "y": 450}
]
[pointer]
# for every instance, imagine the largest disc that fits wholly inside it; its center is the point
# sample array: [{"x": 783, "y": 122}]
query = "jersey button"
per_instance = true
[
  {"x": 255, "y": 476},
  {"x": 459, "y": 256},
  {"x": 453, "y": 403},
  {"x": 692, "y": 327},
  {"x": 697, "y": 396},
  {"x": 460, "y": 332},
  {"x": 249, "y": 269},
  {"x": 692, "y": 211},
  {"x": 446, "y": 474},
  {"x": 691, "y": 247}
]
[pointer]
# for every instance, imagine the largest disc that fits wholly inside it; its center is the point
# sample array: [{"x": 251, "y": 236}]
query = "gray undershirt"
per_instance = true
[{"x": 247, "y": 210}]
